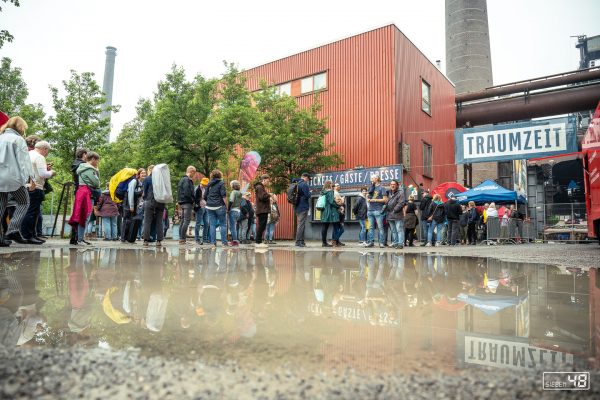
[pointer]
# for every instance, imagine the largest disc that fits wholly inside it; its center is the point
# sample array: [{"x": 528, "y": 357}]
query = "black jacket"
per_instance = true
[
  {"x": 185, "y": 191},
  {"x": 438, "y": 211},
  {"x": 453, "y": 210},
  {"x": 424, "y": 206},
  {"x": 74, "y": 167},
  {"x": 360, "y": 208},
  {"x": 473, "y": 216},
  {"x": 214, "y": 193}
]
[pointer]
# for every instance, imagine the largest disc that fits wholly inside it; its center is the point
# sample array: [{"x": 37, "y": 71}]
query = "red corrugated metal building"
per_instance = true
[{"x": 380, "y": 95}]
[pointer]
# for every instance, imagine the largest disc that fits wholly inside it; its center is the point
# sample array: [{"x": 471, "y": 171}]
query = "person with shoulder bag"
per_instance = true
[
  {"x": 437, "y": 216},
  {"x": 395, "y": 214}
]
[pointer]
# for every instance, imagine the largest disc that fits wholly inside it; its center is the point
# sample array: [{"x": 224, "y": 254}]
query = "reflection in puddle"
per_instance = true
[{"x": 369, "y": 311}]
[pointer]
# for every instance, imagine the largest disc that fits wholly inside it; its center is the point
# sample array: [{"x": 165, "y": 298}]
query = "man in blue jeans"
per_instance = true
[{"x": 376, "y": 199}]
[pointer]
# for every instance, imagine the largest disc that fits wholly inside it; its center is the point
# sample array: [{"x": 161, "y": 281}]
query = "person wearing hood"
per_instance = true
[
  {"x": 453, "y": 213},
  {"x": 16, "y": 176},
  {"x": 263, "y": 208},
  {"x": 88, "y": 180},
  {"x": 215, "y": 196},
  {"x": 108, "y": 211}
]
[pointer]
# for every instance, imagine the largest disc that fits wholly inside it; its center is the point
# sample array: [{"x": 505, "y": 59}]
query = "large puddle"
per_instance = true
[{"x": 314, "y": 310}]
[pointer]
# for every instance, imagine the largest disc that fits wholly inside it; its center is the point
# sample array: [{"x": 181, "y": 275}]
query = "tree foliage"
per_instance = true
[
  {"x": 5, "y": 36},
  {"x": 13, "y": 90},
  {"x": 78, "y": 121},
  {"x": 293, "y": 141},
  {"x": 13, "y": 94}
]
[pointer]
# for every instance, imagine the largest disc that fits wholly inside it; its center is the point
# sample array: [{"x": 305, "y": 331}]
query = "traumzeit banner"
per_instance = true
[{"x": 519, "y": 141}]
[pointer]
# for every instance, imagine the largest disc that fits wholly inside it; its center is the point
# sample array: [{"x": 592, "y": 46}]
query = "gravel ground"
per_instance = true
[
  {"x": 48, "y": 373},
  {"x": 94, "y": 374}
]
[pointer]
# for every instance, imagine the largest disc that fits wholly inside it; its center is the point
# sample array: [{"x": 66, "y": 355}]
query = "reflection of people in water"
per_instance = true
[{"x": 20, "y": 301}]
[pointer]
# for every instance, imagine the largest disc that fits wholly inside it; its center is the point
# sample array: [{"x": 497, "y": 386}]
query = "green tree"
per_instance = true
[
  {"x": 126, "y": 150},
  {"x": 5, "y": 36},
  {"x": 13, "y": 90},
  {"x": 293, "y": 139},
  {"x": 78, "y": 122},
  {"x": 13, "y": 94},
  {"x": 198, "y": 122}
]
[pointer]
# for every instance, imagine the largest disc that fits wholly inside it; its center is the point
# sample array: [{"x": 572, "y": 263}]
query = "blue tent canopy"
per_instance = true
[{"x": 487, "y": 192}]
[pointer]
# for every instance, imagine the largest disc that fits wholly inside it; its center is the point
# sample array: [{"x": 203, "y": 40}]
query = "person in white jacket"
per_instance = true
[{"x": 16, "y": 176}]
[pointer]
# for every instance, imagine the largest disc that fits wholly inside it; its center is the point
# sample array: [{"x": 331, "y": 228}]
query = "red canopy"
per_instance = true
[{"x": 448, "y": 189}]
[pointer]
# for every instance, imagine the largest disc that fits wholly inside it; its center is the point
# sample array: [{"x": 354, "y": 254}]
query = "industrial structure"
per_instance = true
[
  {"x": 386, "y": 104},
  {"x": 109, "y": 76},
  {"x": 469, "y": 67}
]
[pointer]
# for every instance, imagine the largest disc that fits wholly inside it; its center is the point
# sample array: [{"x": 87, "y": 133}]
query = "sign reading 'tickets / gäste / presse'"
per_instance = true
[{"x": 518, "y": 141}]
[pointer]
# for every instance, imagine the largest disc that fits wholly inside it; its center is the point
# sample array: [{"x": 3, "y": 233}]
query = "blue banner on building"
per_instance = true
[
  {"x": 519, "y": 141},
  {"x": 357, "y": 177}
]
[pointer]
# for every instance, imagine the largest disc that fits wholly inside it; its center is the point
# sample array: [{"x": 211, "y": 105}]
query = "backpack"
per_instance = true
[
  {"x": 161, "y": 184},
  {"x": 121, "y": 176},
  {"x": 321, "y": 201},
  {"x": 122, "y": 187},
  {"x": 292, "y": 194}
]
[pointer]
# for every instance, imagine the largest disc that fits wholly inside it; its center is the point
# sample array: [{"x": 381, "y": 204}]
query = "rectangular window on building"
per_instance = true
[
  {"x": 426, "y": 97},
  {"x": 306, "y": 85},
  {"x": 427, "y": 160},
  {"x": 320, "y": 81},
  {"x": 505, "y": 174},
  {"x": 285, "y": 88}
]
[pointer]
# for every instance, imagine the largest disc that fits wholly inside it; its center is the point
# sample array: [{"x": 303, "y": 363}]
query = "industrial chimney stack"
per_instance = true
[
  {"x": 469, "y": 63},
  {"x": 109, "y": 75},
  {"x": 468, "y": 56}
]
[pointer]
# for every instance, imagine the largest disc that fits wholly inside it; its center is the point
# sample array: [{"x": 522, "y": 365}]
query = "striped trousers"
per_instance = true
[{"x": 22, "y": 198}]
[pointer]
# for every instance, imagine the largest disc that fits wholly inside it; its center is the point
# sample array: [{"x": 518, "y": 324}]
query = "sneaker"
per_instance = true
[
  {"x": 326, "y": 245},
  {"x": 428, "y": 244},
  {"x": 400, "y": 247},
  {"x": 261, "y": 245}
]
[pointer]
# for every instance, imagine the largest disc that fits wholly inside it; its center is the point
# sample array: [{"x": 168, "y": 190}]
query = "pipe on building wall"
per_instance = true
[
  {"x": 537, "y": 105},
  {"x": 532, "y": 84}
]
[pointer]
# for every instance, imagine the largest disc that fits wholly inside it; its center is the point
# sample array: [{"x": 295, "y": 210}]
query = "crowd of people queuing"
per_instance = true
[
  {"x": 391, "y": 211},
  {"x": 24, "y": 175}
]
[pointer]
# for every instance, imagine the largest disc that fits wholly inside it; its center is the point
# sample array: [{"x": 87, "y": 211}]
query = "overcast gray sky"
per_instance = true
[{"x": 529, "y": 38}]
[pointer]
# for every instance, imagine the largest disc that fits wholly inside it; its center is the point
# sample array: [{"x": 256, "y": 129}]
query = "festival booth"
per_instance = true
[{"x": 488, "y": 192}]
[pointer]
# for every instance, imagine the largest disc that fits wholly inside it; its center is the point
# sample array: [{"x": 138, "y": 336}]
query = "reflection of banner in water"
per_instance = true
[
  {"x": 507, "y": 352},
  {"x": 248, "y": 167}
]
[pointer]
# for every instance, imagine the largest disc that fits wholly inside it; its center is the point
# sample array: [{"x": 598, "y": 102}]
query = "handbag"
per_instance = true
[
  {"x": 431, "y": 216},
  {"x": 48, "y": 187}
]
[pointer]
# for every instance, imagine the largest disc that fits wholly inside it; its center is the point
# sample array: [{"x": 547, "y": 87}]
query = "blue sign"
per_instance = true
[
  {"x": 357, "y": 177},
  {"x": 520, "y": 141}
]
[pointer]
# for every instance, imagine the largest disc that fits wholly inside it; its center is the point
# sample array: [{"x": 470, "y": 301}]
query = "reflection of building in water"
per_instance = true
[{"x": 365, "y": 310}]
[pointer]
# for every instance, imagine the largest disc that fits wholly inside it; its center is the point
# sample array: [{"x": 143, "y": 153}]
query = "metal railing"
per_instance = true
[
  {"x": 565, "y": 222},
  {"x": 508, "y": 231}
]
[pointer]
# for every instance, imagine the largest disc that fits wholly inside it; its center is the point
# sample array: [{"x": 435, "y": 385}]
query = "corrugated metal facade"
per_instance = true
[{"x": 373, "y": 102}]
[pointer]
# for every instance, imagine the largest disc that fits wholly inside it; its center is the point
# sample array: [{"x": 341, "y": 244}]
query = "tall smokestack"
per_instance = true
[
  {"x": 109, "y": 75},
  {"x": 469, "y": 65},
  {"x": 468, "y": 56}
]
